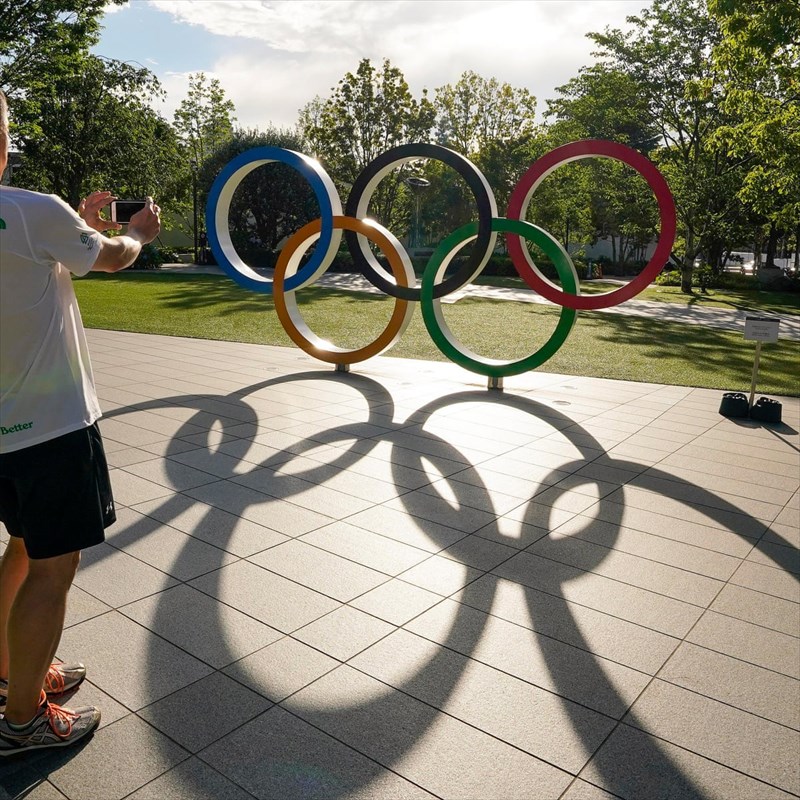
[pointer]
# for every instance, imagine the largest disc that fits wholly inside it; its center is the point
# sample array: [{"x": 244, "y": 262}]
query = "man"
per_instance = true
[{"x": 55, "y": 494}]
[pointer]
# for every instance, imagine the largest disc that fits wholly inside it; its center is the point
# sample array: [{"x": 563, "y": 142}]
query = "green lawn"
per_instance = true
[
  {"x": 750, "y": 300},
  {"x": 601, "y": 345}
]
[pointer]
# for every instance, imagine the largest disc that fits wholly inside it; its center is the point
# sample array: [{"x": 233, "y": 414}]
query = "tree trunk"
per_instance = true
[
  {"x": 757, "y": 245},
  {"x": 688, "y": 263},
  {"x": 797, "y": 250},
  {"x": 772, "y": 244}
]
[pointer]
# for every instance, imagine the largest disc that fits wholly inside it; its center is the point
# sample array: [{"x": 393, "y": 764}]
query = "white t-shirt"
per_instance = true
[{"x": 46, "y": 383}]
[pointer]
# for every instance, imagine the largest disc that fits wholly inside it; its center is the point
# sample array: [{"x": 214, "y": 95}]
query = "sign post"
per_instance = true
[{"x": 759, "y": 329}]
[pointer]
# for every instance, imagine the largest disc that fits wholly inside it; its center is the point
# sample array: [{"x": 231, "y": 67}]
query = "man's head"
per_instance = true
[{"x": 4, "y": 140}]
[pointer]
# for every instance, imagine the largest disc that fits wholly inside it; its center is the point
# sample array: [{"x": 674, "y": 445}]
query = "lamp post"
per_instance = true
[
  {"x": 194, "y": 206},
  {"x": 417, "y": 185}
]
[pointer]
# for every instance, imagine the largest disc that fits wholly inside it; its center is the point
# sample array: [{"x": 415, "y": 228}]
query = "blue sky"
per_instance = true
[{"x": 273, "y": 57}]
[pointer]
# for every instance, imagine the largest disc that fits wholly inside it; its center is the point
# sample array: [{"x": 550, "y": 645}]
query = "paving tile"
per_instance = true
[
  {"x": 580, "y": 790},
  {"x": 229, "y": 532},
  {"x": 410, "y": 530},
  {"x": 127, "y": 456},
  {"x": 690, "y": 557},
  {"x": 306, "y": 494},
  {"x": 104, "y": 768},
  {"x": 82, "y": 606},
  {"x": 163, "y": 547},
  {"x": 726, "y": 518},
  {"x": 432, "y": 749},
  {"x": 458, "y": 493},
  {"x": 278, "y": 755},
  {"x": 573, "y": 673},
  {"x": 116, "y": 579},
  {"x": 281, "y": 669},
  {"x": 761, "y": 749},
  {"x": 320, "y": 570},
  {"x": 769, "y": 554},
  {"x": 758, "y": 608},
  {"x": 396, "y": 601},
  {"x": 664, "y": 614},
  {"x": 538, "y": 722},
  {"x": 281, "y": 516},
  {"x": 205, "y": 711},
  {"x": 270, "y": 598},
  {"x": 191, "y": 780},
  {"x": 131, "y": 489},
  {"x": 364, "y": 547},
  {"x": 642, "y": 572},
  {"x": 754, "y": 644},
  {"x": 634, "y": 765},
  {"x": 511, "y": 532},
  {"x": 441, "y": 575},
  {"x": 478, "y": 552},
  {"x": 736, "y": 683},
  {"x": 209, "y": 630},
  {"x": 769, "y": 580},
  {"x": 128, "y": 662},
  {"x": 435, "y": 509},
  {"x": 87, "y": 694},
  {"x": 344, "y": 632}
]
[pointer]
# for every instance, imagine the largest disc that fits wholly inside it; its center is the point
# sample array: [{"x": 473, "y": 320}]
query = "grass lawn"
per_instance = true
[
  {"x": 748, "y": 300},
  {"x": 600, "y": 345}
]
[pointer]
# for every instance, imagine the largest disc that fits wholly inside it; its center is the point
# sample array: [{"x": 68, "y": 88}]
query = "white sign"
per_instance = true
[{"x": 761, "y": 329}]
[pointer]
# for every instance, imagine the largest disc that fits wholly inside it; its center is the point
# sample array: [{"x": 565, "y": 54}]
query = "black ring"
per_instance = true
[{"x": 361, "y": 194}]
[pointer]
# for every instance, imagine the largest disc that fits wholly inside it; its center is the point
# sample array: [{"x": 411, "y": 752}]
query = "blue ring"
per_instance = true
[{"x": 222, "y": 191}]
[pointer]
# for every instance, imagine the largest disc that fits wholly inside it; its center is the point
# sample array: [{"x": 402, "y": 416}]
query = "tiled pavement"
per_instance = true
[{"x": 397, "y": 584}]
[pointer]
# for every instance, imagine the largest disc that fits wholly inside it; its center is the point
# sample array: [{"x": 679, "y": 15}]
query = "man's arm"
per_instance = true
[{"x": 121, "y": 251}]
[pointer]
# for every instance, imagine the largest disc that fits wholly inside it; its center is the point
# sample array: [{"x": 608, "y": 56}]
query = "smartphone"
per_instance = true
[{"x": 123, "y": 210}]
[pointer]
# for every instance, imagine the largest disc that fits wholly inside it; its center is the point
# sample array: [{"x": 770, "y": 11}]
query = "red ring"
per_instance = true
[{"x": 539, "y": 170}]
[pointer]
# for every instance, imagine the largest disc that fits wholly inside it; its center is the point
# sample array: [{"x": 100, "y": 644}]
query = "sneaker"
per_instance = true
[
  {"x": 60, "y": 678},
  {"x": 53, "y": 726}
]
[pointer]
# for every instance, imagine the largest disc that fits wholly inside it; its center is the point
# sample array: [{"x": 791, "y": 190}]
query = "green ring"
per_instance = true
[{"x": 432, "y": 310}]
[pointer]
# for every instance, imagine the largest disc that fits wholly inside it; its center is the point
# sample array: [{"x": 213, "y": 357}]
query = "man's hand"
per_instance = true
[
  {"x": 89, "y": 210},
  {"x": 145, "y": 225},
  {"x": 118, "y": 252}
]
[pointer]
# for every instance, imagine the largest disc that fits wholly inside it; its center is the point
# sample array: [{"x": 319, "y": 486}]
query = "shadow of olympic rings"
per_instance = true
[{"x": 438, "y": 677}]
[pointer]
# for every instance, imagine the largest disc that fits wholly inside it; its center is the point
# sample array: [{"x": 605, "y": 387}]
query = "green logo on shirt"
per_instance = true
[{"x": 21, "y": 426}]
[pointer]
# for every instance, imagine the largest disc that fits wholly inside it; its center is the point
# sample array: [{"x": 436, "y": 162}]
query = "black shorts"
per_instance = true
[{"x": 56, "y": 495}]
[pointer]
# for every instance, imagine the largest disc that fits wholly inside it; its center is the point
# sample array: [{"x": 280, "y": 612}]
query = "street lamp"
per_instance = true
[
  {"x": 194, "y": 206},
  {"x": 417, "y": 185}
]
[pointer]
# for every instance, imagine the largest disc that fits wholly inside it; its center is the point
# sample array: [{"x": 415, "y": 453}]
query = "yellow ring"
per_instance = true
[{"x": 286, "y": 302}]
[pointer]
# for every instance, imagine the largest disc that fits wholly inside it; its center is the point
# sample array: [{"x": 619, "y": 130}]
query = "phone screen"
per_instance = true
[{"x": 123, "y": 210}]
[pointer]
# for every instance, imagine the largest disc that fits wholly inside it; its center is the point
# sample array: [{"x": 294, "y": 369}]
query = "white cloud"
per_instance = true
[{"x": 283, "y": 53}]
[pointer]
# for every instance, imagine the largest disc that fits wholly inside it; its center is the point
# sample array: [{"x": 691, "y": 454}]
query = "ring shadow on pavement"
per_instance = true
[{"x": 394, "y": 732}]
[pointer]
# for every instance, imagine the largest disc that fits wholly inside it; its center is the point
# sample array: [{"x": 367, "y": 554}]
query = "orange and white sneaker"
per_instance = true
[
  {"x": 53, "y": 726},
  {"x": 60, "y": 678}
]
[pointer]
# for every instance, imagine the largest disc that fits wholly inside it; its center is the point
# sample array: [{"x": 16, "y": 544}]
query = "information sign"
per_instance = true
[{"x": 761, "y": 329}]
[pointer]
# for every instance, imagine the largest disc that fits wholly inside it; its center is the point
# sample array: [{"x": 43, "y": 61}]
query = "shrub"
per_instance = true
[{"x": 150, "y": 257}]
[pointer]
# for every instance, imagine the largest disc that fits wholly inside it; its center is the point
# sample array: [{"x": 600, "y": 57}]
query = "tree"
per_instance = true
[
  {"x": 40, "y": 39},
  {"x": 271, "y": 203},
  {"x": 92, "y": 127},
  {"x": 369, "y": 112},
  {"x": 204, "y": 119},
  {"x": 668, "y": 54},
  {"x": 759, "y": 63}
]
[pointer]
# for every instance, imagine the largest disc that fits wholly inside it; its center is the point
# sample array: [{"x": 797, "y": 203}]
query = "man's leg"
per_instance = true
[
  {"x": 13, "y": 570},
  {"x": 34, "y": 630}
]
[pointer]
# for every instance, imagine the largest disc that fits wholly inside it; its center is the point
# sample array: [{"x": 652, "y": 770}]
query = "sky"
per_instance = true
[{"x": 274, "y": 56}]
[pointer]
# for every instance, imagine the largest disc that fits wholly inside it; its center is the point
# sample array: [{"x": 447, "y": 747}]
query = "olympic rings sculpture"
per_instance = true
[{"x": 326, "y": 232}]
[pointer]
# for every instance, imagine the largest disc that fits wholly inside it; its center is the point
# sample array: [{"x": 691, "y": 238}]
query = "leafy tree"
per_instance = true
[
  {"x": 92, "y": 127},
  {"x": 40, "y": 39},
  {"x": 477, "y": 112},
  {"x": 204, "y": 119},
  {"x": 369, "y": 112},
  {"x": 271, "y": 203},
  {"x": 759, "y": 63},
  {"x": 668, "y": 55}
]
